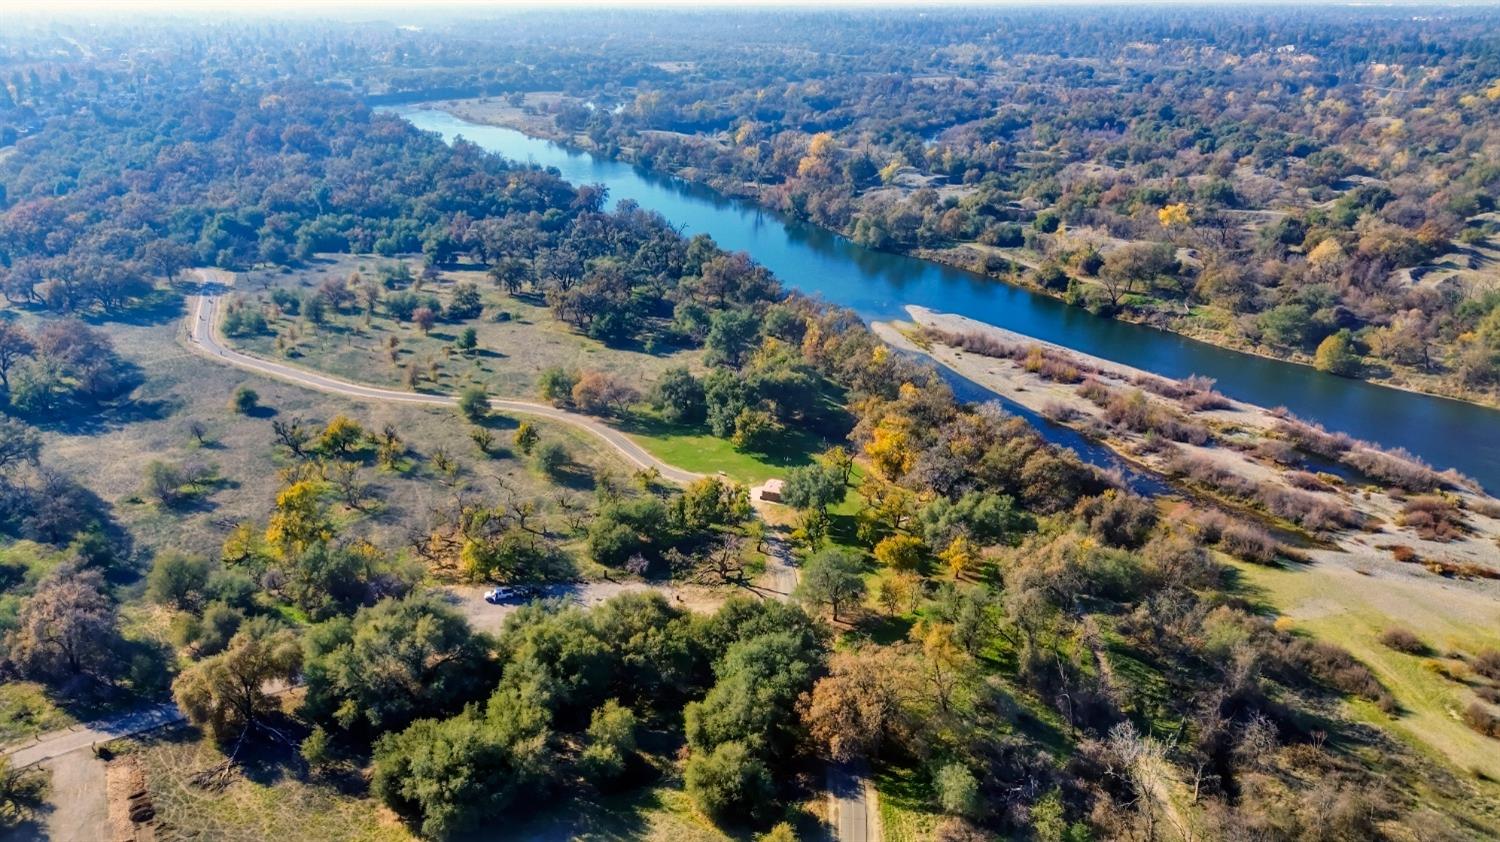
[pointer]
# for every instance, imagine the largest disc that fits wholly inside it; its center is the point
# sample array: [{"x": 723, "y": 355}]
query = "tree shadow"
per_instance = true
[
  {"x": 159, "y": 307},
  {"x": 30, "y": 829},
  {"x": 574, "y": 477}
]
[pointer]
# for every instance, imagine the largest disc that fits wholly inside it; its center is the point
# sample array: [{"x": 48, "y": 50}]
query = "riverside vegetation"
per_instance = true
[{"x": 1015, "y": 642}]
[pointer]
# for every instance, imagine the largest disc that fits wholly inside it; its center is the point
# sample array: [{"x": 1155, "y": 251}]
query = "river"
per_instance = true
[{"x": 878, "y": 285}]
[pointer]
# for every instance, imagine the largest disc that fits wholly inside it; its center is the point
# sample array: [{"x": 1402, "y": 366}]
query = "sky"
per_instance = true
[{"x": 392, "y": 8}]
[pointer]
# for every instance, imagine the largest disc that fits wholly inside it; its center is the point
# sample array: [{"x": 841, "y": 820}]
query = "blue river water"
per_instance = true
[{"x": 878, "y": 285}]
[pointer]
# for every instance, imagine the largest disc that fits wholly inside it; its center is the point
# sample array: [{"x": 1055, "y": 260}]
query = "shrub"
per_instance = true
[
  {"x": 1058, "y": 412},
  {"x": 1403, "y": 640},
  {"x": 729, "y": 782},
  {"x": 1123, "y": 520},
  {"x": 1306, "y": 481},
  {"x": 1094, "y": 391},
  {"x": 1487, "y": 664},
  {"x": 1332, "y": 665},
  {"x": 1249, "y": 543},
  {"x": 555, "y": 385},
  {"x": 1134, "y": 411},
  {"x": 550, "y": 458},
  {"x": 1433, "y": 517},
  {"x": 1479, "y": 717},
  {"x": 1278, "y": 451},
  {"x": 244, "y": 401},
  {"x": 957, "y": 790},
  {"x": 474, "y": 404}
]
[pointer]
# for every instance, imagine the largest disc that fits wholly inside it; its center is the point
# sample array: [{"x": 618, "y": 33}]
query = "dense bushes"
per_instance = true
[{"x": 1308, "y": 510}]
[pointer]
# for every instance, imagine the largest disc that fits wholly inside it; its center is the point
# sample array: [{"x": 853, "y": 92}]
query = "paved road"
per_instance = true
[
  {"x": 203, "y": 333},
  {"x": 78, "y": 790},
  {"x": 82, "y": 736},
  {"x": 852, "y": 812},
  {"x": 851, "y": 804}
]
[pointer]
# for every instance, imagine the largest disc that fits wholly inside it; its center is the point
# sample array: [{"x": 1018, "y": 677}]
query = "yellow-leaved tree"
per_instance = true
[
  {"x": 300, "y": 518},
  {"x": 1174, "y": 216}
]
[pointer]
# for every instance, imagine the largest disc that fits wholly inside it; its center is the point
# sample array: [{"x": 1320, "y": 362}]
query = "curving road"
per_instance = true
[
  {"x": 203, "y": 336},
  {"x": 854, "y": 817}
]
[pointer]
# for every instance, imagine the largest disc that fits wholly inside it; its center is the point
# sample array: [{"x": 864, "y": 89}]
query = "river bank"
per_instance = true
[
  {"x": 1200, "y": 324},
  {"x": 877, "y": 285},
  {"x": 1252, "y": 458}
]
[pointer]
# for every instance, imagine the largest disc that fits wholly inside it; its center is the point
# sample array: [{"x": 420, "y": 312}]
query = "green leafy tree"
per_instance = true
[
  {"x": 957, "y": 790},
  {"x": 244, "y": 400},
  {"x": 474, "y": 404},
  {"x": 390, "y": 664},
  {"x": 466, "y": 303},
  {"x": 611, "y": 742},
  {"x": 755, "y": 430},
  {"x": 226, "y": 694},
  {"x": 832, "y": 577},
  {"x": 754, "y": 700},
  {"x": 550, "y": 458},
  {"x": 730, "y": 783},
  {"x": 1336, "y": 355},
  {"x": 679, "y": 397},
  {"x": 813, "y": 487},
  {"x": 448, "y": 776},
  {"x": 731, "y": 335},
  {"x": 177, "y": 580},
  {"x": 555, "y": 385}
]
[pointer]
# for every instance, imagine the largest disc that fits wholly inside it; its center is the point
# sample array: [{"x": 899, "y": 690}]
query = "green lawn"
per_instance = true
[
  {"x": 906, "y": 810},
  {"x": 659, "y": 814},
  {"x": 1352, "y": 610},
  {"x": 25, "y": 711},
  {"x": 695, "y": 449}
]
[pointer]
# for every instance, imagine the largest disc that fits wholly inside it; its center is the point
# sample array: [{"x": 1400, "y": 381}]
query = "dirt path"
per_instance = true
[
  {"x": 489, "y": 617},
  {"x": 203, "y": 337},
  {"x": 79, "y": 798},
  {"x": 78, "y": 794},
  {"x": 781, "y": 568}
]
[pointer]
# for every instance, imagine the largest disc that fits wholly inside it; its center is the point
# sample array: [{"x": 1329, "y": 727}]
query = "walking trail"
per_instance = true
[{"x": 850, "y": 804}]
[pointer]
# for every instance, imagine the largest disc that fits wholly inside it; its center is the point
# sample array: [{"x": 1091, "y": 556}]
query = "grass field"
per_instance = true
[
  {"x": 271, "y": 800},
  {"x": 180, "y": 388},
  {"x": 906, "y": 811},
  {"x": 695, "y": 449},
  {"x": 1342, "y": 605},
  {"x": 26, "y": 711},
  {"x": 510, "y": 352},
  {"x": 268, "y": 801}
]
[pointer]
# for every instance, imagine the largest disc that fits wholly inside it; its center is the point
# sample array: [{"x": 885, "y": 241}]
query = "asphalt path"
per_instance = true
[
  {"x": 849, "y": 796},
  {"x": 203, "y": 336}
]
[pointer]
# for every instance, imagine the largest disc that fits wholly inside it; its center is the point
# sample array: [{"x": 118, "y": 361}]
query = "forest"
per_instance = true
[
  {"x": 1010, "y": 640},
  {"x": 1280, "y": 182}
]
